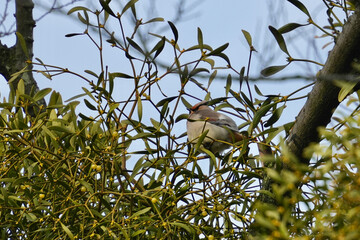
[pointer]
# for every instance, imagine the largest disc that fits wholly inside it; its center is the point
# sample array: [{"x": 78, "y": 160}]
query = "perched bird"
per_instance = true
[{"x": 223, "y": 131}]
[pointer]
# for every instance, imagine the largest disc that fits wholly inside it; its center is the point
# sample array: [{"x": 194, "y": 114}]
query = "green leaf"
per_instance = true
[
  {"x": 181, "y": 117},
  {"x": 67, "y": 231},
  {"x": 41, "y": 94},
  {"x": 257, "y": 90},
  {"x": 225, "y": 57},
  {"x": 158, "y": 47},
  {"x": 186, "y": 103},
  {"x": 218, "y": 50},
  {"x": 247, "y": 37},
  {"x": 48, "y": 132},
  {"x": 85, "y": 117},
  {"x": 198, "y": 70},
  {"x": 79, "y": 8},
  {"x": 22, "y": 42},
  {"x": 88, "y": 93},
  {"x": 300, "y": 6},
  {"x": 272, "y": 70},
  {"x": 128, "y": 5},
  {"x": 91, "y": 73},
  {"x": 165, "y": 100},
  {"x": 21, "y": 87},
  {"x": 157, "y": 19},
  {"x": 60, "y": 129},
  {"x": 138, "y": 232},
  {"x": 247, "y": 100},
  {"x": 209, "y": 61},
  {"x": 200, "y": 140},
  {"x": 289, "y": 27},
  {"x": 212, "y": 159},
  {"x": 105, "y": 5},
  {"x": 82, "y": 19},
  {"x": 87, "y": 185},
  {"x": 241, "y": 76},
  {"x": 275, "y": 117},
  {"x": 120, "y": 75},
  {"x": 195, "y": 47},
  {"x": 141, "y": 212},
  {"x": 134, "y": 45},
  {"x": 346, "y": 89},
  {"x": 258, "y": 115},
  {"x": 211, "y": 78},
  {"x": 184, "y": 226},
  {"x": 228, "y": 84},
  {"x": 48, "y": 76},
  {"x": 174, "y": 30},
  {"x": 76, "y": 96},
  {"x": 17, "y": 74},
  {"x": 139, "y": 108},
  {"x": 280, "y": 40},
  {"x": 200, "y": 38},
  {"x": 89, "y": 105}
]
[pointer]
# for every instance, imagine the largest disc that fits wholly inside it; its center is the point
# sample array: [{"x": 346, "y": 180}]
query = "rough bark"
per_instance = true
[
  {"x": 13, "y": 59},
  {"x": 323, "y": 99}
]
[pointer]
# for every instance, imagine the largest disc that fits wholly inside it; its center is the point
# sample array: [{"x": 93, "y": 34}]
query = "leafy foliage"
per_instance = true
[{"x": 122, "y": 170}]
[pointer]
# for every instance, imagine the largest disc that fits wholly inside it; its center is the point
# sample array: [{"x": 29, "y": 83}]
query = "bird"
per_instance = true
[{"x": 222, "y": 130}]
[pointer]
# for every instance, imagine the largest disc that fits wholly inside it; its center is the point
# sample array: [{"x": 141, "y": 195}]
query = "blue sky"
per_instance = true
[{"x": 220, "y": 22}]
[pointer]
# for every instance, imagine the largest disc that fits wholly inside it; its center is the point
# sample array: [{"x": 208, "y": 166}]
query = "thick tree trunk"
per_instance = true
[
  {"x": 13, "y": 59},
  {"x": 323, "y": 99}
]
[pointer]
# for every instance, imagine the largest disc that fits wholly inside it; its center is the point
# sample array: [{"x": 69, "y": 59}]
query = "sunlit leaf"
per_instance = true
[
  {"x": 67, "y": 231},
  {"x": 157, "y": 19},
  {"x": 346, "y": 89},
  {"x": 22, "y": 42},
  {"x": 41, "y": 94},
  {"x": 140, "y": 212},
  {"x": 184, "y": 226},
  {"x": 139, "y": 108}
]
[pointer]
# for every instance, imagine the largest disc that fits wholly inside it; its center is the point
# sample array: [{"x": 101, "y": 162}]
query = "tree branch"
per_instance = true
[
  {"x": 13, "y": 59},
  {"x": 323, "y": 99}
]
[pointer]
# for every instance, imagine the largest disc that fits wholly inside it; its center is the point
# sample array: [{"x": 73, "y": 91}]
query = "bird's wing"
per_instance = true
[{"x": 225, "y": 122}]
